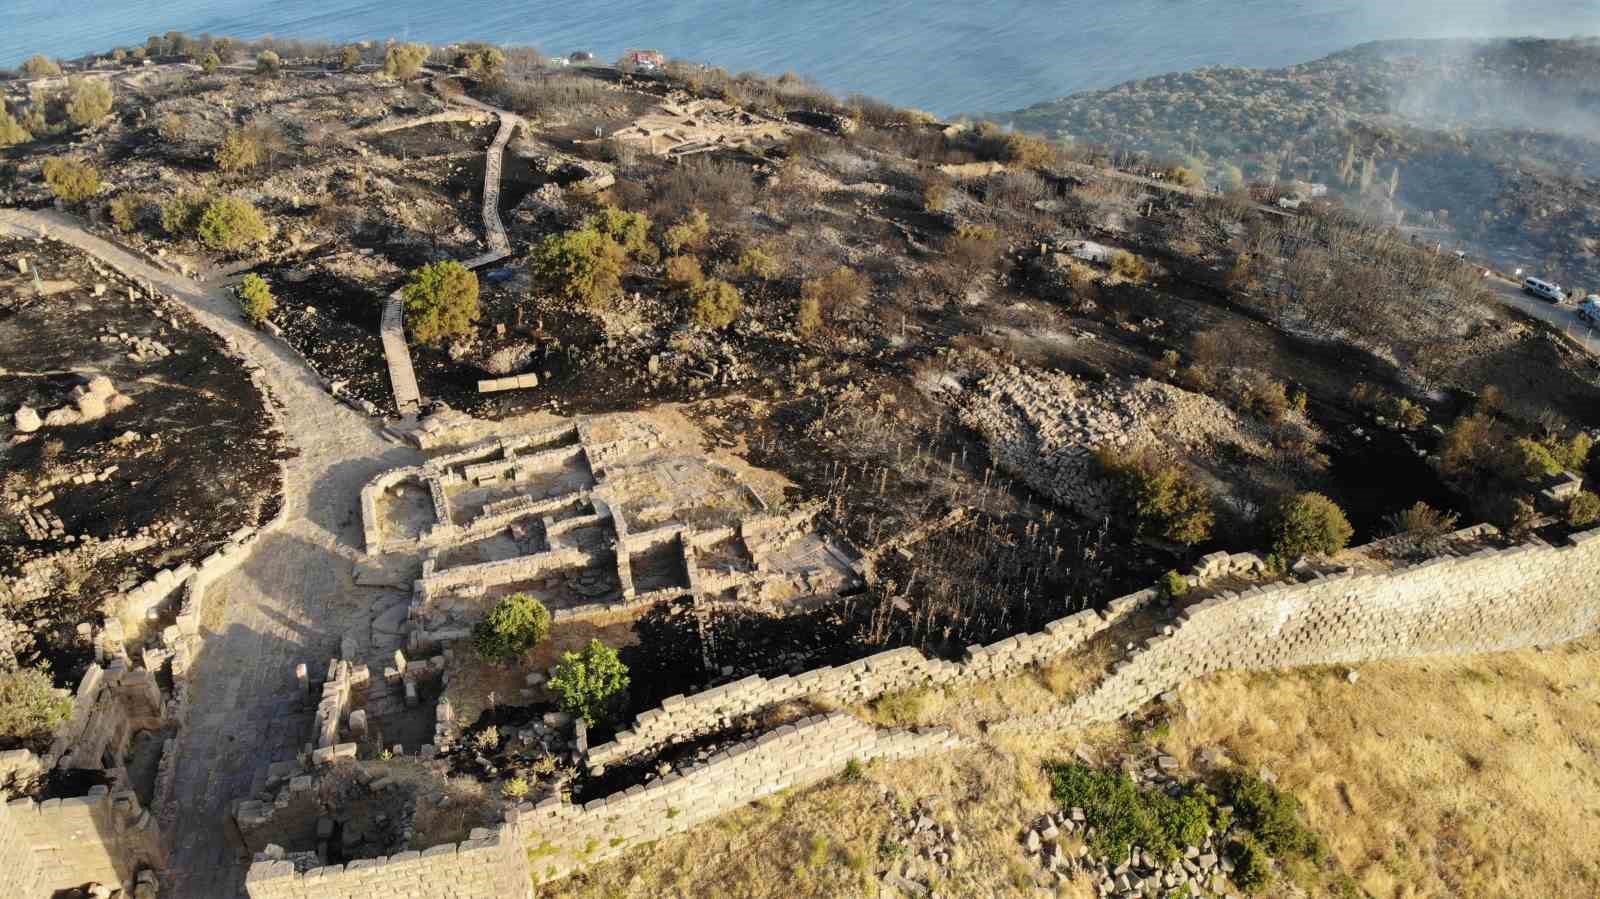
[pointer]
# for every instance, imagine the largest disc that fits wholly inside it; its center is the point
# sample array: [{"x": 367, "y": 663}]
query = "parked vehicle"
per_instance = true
[
  {"x": 1544, "y": 290},
  {"x": 1589, "y": 309}
]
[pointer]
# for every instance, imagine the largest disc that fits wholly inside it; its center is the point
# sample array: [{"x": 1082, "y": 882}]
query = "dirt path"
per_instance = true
[{"x": 290, "y": 602}]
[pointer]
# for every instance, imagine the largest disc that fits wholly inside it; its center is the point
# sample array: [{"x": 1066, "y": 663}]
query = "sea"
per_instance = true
[{"x": 945, "y": 56}]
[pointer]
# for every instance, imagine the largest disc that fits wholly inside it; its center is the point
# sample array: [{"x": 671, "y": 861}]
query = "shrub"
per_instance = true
[
  {"x": 1422, "y": 522},
  {"x": 30, "y": 708},
  {"x": 1027, "y": 150},
  {"x": 1528, "y": 458},
  {"x": 1469, "y": 447},
  {"x": 683, "y": 272},
  {"x": 808, "y": 320},
  {"x": 230, "y": 223},
  {"x": 1407, "y": 414},
  {"x": 40, "y": 66},
  {"x": 516, "y": 787},
  {"x": 1308, "y": 523},
  {"x": 1571, "y": 454},
  {"x": 126, "y": 210},
  {"x": 441, "y": 301},
  {"x": 631, "y": 230},
  {"x": 1252, "y": 870},
  {"x": 1265, "y": 397},
  {"x": 1123, "y": 816},
  {"x": 1583, "y": 509},
  {"x": 714, "y": 303},
  {"x": 515, "y": 625},
  {"x": 180, "y": 215},
  {"x": 69, "y": 180},
  {"x": 590, "y": 683},
  {"x": 1183, "y": 177},
  {"x": 268, "y": 63},
  {"x": 1174, "y": 584},
  {"x": 239, "y": 151},
  {"x": 755, "y": 262},
  {"x": 1271, "y": 815},
  {"x": 210, "y": 62},
  {"x": 837, "y": 289},
  {"x": 582, "y": 265},
  {"x": 255, "y": 298},
  {"x": 88, "y": 101},
  {"x": 1128, "y": 266},
  {"x": 1166, "y": 500},
  {"x": 404, "y": 60},
  {"x": 11, "y": 131},
  {"x": 973, "y": 247},
  {"x": 349, "y": 58},
  {"x": 688, "y": 234},
  {"x": 172, "y": 127}
]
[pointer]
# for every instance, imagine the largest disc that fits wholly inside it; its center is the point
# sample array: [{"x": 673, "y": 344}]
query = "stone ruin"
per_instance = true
[{"x": 595, "y": 516}]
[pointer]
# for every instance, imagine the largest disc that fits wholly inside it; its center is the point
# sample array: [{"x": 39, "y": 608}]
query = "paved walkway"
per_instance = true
[
  {"x": 402, "y": 377},
  {"x": 290, "y": 602}
]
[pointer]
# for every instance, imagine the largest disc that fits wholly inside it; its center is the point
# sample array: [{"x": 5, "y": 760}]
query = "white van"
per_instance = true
[{"x": 1544, "y": 290}]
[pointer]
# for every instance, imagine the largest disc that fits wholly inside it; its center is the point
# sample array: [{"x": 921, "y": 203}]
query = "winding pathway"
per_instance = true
[
  {"x": 402, "y": 377},
  {"x": 291, "y": 601}
]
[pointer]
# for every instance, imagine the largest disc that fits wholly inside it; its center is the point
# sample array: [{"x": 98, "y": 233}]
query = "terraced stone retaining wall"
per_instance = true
[
  {"x": 103, "y": 837},
  {"x": 491, "y": 863}
]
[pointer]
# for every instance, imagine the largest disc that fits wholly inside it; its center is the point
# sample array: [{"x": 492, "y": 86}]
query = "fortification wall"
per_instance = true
[
  {"x": 561, "y": 836},
  {"x": 680, "y": 717},
  {"x": 1489, "y": 601},
  {"x": 491, "y": 863},
  {"x": 104, "y": 838}
]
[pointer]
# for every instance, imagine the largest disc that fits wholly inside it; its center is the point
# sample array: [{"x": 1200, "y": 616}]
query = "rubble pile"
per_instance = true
[{"x": 1045, "y": 427}]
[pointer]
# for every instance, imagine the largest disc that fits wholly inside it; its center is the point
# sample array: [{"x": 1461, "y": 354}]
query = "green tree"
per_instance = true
[
  {"x": 404, "y": 60},
  {"x": 71, "y": 181},
  {"x": 515, "y": 625},
  {"x": 582, "y": 265},
  {"x": 30, "y": 708},
  {"x": 88, "y": 101},
  {"x": 40, "y": 66},
  {"x": 1308, "y": 523},
  {"x": 210, "y": 62},
  {"x": 714, "y": 303},
  {"x": 349, "y": 57},
  {"x": 1528, "y": 458},
  {"x": 441, "y": 301},
  {"x": 268, "y": 63},
  {"x": 239, "y": 151},
  {"x": 180, "y": 216},
  {"x": 230, "y": 223},
  {"x": 255, "y": 298},
  {"x": 683, "y": 272},
  {"x": 590, "y": 683},
  {"x": 1167, "y": 501}
]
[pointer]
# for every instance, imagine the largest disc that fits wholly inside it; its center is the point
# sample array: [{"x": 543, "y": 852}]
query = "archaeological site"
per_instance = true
[{"x": 457, "y": 472}]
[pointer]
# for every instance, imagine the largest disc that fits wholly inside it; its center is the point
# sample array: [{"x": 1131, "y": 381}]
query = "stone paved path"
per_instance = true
[
  {"x": 290, "y": 602},
  {"x": 402, "y": 377}
]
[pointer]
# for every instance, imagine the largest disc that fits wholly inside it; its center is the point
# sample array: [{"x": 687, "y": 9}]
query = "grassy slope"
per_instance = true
[{"x": 1440, "y": 777}]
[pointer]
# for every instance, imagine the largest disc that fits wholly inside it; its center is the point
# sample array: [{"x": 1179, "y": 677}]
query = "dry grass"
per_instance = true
[
  {"x": 1443, "y": 777},
  {"x": 1439, "y": 777}
]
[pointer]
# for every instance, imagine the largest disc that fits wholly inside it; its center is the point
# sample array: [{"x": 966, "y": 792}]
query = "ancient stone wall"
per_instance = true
[
  {"x": 561, "y": 836},
  {"x": 104, "y": 838},
  {"x": 1491, "y": 600},
  {"x": 680, "y": 717},
  {"x": 492, "y": 863}
]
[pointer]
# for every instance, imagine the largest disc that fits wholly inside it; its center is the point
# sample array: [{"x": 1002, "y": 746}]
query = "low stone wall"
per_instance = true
[
  {"x": 492, "y": 863},
  {"x": 562, "y": 836},
  {"x": 104, "y": 838},
  {"x": 1491, "y": 600},
  {"x": 681, "y": 717}
]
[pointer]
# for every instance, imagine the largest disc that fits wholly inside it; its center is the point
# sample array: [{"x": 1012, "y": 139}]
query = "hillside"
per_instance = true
[
  {"x": 668, "y": 451},
  {"x": 1492, "y": 146}
]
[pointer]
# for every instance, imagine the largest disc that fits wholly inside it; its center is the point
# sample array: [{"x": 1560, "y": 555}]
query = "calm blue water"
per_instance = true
[{"x": 942, "y": 55}]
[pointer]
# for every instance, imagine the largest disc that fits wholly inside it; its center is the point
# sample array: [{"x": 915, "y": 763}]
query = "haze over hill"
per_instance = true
[{"x": 1494, "y": 146}]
